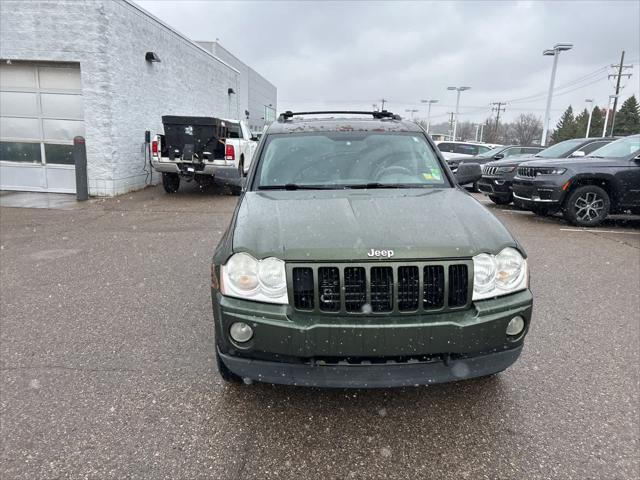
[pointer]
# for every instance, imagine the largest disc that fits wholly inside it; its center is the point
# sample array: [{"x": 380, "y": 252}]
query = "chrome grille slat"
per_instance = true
[{"x": 489, "y": 170}]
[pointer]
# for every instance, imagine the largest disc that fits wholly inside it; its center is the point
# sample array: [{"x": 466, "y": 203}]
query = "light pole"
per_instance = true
[
  {"x": 590, "y": 102},
  {"x": 606, "y": 117},
  {"x": 429, "y": 103},
  {"x": 412, "y": 111},
  {"x": 455, "y": 125},
  {"x": 555, "y": 53}
]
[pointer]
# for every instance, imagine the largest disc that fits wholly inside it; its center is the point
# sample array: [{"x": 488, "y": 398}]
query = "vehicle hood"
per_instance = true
[
  {"x": 511, "y": 162},
  {"x": 570, "y": 162},
  {"x": 344, "y": 225}
]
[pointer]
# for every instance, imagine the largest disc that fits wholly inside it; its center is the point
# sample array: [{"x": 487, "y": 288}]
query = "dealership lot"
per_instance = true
[{"x": 107, "y": 366}]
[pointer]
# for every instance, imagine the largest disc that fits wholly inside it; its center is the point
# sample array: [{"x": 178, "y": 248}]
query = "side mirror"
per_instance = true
[
  {"x": 468, "y": 173},
  {"x": 578, "y": 153},
  {"x": 255, "y": 138},
  {"x": 498, "y": 156}
]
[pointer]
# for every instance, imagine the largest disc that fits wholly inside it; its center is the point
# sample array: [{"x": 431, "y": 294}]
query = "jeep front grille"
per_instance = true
[
  {"x": 381, "y": 287},
  {"x": 489, "y": 170},
  {"x": 527, "y": 172}
]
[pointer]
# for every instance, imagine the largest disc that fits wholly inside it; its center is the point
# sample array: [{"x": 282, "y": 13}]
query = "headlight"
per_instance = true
[
  {"x": 261, "y": 280},
  {"x": 496, "y": 275},
  {"x": 506, "y": 169},
  {"x": 551, "y": 171}
]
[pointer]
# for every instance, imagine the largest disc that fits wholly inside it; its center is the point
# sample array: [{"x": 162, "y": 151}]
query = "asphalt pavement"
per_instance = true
[{"x": 107, "y": 366}]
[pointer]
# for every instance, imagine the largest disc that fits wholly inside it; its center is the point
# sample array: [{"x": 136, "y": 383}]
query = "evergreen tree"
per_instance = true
[
  {"x": 581, "y": 123},
  {"x": 597, "y": 122},
  {"x": 566, "y": 127},
  {"x": 628, "y": 118}
]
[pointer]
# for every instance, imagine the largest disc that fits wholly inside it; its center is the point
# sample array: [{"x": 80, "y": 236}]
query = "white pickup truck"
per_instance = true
[{"x": 204, "y": 149}]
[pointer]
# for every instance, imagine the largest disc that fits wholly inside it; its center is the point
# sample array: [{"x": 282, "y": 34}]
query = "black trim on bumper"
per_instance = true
[{"x": 373, "y": 375}]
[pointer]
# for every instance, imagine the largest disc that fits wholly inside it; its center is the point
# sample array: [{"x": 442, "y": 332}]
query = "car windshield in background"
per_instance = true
[
  {"x": 561, "y": 150},
  {"x": 618, "y": 149},
  {"x": 335, "y": 160},
  {"x": 492, "y": 152}
]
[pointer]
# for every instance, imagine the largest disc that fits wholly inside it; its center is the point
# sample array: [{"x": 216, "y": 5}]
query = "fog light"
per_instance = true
[
  {"x": 515, "y": 326},
  {"x": 241, "y": 332}
]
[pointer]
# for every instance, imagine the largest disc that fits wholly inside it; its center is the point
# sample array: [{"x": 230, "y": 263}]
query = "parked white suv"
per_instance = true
[{"x": 463, "y": 149}]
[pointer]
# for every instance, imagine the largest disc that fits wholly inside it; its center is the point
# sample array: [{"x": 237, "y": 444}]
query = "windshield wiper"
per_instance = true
[
  {"x": 295, "y": 186},
  {"x": 373, "y": 185}
]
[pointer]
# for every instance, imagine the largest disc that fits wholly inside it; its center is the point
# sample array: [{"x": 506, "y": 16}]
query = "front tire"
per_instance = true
[
  {"x": 586, "y": 206},
  {"x": 171, "y": 182},
  {"x": 501, "y": 200}
]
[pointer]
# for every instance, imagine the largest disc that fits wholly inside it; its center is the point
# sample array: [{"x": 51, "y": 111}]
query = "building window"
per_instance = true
[{"x": 20, "y": 152}]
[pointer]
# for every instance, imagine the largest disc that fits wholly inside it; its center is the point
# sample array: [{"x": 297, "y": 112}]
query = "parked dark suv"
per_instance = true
[
  {"x": 585, "y": 189},
  {"x": 355, "y": 259},
  {"x": 497, "y": 177},
  {"x": 497, "y": 153}
]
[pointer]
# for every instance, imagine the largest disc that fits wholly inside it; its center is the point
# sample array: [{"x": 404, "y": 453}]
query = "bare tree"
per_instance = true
[{"x": 525, "y": 129}]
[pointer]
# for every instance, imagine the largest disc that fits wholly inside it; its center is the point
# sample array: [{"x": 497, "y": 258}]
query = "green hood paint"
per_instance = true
[{"x": 343, "y": 225}]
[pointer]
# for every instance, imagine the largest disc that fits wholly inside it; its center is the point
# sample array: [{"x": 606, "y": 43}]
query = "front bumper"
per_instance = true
[
  {"x": 370, "y": 350},
  {"x": 495, "y": 186},
  {"x": 538, "y": 192},
  {"x": 361, "y": 375}
]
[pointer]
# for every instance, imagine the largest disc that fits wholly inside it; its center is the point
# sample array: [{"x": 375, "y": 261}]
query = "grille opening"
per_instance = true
[
  {"x": 329, "y": 289},
  {"x": 408, "y": 288},
  {"x": 381, "y": 289},
  {"x": 303, "y": 288},
  {"x": 458, "y": 285},
  {"x": 433, "y": 295},
  {"x": 355, "y": 288}
]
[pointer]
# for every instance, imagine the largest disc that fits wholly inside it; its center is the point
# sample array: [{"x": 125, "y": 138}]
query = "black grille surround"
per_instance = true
[{"x": 377, "y": 288}]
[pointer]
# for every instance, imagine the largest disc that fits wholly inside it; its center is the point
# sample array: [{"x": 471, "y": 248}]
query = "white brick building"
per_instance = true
[{"x": 74, "y": 67}]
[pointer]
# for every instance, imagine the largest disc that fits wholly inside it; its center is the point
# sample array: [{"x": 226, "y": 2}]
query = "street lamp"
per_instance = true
[
  {"x": 429, "y": 102},
  {"x": 590, "y": 102},
  {"x": 555, "y": 53},
  {"x": 606, "y": 117},
  {"x": 458, "y": 89},
  {"x": 412, "y": 111}
]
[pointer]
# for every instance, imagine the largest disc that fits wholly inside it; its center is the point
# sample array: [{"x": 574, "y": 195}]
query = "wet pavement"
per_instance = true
[{"x": 107, "y": 366}]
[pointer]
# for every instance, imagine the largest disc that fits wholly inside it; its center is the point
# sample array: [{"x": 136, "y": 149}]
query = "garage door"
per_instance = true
[{"x": 40, "y": 113}]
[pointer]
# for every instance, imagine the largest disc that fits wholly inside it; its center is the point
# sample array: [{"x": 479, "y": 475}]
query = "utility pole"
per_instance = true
[
  {"x": 383, "y": 102},
  {"x": 481, "y": 131},
  {"x": 477, "y": 130},
  {"x": 411, "y": 111},
  {"x": 497, "y": 107},
  {"x": 618, "y": 76}
]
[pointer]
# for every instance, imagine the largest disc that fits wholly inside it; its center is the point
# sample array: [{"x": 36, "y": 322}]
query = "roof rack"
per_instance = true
[{"x": 376, "y": 114}]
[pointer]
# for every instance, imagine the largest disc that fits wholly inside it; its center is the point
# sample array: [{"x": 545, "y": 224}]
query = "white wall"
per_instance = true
[{"x": 123, "y": 94}]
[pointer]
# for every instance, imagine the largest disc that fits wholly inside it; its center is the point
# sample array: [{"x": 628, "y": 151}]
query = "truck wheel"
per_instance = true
[
  {"x": 586, "y": 206},
  {"x": 226, "y": 374},
  {"x": 171, "y": 182},
  {"x": 501, "y": 200},
  {"x": 241, "y": 166}
]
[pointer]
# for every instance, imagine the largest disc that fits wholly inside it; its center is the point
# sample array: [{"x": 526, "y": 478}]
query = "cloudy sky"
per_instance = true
[{"x": 351, "y": 54}]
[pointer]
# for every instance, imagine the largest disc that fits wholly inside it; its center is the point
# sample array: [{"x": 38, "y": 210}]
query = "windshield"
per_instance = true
[
  {"x": 561, "y": 150},
  {"x": 331, "y": 160},
  {"x": 492, "y": 152},
  {"x": 620, "y": 148}
]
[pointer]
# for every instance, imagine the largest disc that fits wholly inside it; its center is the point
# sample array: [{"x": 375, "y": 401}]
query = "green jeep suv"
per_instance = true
[{"x": 355, "y": 259}]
